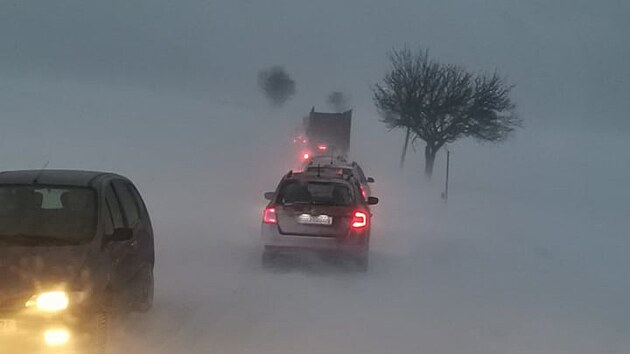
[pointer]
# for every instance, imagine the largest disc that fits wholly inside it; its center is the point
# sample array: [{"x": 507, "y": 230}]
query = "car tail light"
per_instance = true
[
  {"x": 270, "y": 217},
  {"x": 359, "y": 220},
  {"x": 363, "y": 193},
  {"x": 306, "y": 156},
  {"x": 322, "y": 147}
]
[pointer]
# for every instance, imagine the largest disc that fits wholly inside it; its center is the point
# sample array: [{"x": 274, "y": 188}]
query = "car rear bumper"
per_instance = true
[{"x": 354, "y": 243}]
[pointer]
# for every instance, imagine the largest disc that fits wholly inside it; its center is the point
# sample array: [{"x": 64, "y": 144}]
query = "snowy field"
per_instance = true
[{"x": 529, "y": 255}]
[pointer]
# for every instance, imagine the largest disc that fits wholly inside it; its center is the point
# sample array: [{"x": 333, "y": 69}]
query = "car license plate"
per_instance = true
[
  {"x": 7, "y": 326},
  {"x": 315, "y": 219}
]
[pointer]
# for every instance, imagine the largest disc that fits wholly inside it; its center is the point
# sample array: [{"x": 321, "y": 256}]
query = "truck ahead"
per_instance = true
[{"x": 327, "y": 133}]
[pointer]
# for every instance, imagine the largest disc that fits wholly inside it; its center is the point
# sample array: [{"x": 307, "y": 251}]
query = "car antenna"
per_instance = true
[{"x": 39, "y": 173}]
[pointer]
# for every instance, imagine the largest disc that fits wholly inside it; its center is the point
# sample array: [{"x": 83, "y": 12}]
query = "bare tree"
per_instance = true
[
  {"x": 276, "y": 84},
  {"x": 338, "y": 101},
  {"x": 439, "y": 103}
]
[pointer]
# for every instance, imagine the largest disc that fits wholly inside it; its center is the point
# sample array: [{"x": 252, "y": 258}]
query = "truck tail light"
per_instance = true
[
  {"x": 359, "y": 220},
  {"x": 269, "y": 216}
]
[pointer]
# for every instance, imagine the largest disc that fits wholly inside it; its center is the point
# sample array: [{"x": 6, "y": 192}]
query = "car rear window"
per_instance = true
[{"x": 320, "y": 193}]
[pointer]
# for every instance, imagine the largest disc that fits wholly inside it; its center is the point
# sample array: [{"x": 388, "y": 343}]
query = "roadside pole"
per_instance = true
[{"x": 448, "y": 163}]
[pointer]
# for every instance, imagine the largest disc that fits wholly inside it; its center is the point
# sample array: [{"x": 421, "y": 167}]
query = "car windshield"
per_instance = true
[
  {"x": 35, "y": 215},
  {"x": 321, "y": 193}
]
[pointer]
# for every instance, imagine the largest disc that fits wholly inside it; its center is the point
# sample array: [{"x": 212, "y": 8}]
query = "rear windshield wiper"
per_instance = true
[
  {"x": 322, "y": 203},
  {"x": 297, "y": 203}
]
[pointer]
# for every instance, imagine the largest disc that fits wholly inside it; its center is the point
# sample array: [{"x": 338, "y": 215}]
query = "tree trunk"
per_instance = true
[
  {"x": 429, "y": 158},
  {"x": 405, "y": 148}
]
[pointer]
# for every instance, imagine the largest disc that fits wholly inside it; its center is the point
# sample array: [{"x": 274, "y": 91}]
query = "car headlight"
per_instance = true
[
  {"x": 52, "y": 301},
  {"x": 56, "y": 337}
]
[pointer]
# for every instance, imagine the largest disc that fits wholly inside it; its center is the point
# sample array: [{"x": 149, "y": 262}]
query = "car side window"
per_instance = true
[
  {"x": 108, "y": 221},
  {"x": 113, "y": 207},
  {"x": 139, "y": 202},
  {"x": 129, "y": 206}
]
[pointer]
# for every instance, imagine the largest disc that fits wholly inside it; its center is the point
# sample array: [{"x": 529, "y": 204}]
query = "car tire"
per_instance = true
[
  {"x": 97, "y": 328},
  {"x": 362, "y": 263},
  {"x": 143, "y": 290},
  {"x": 101, "y": 332},
  {"x": 268, "y": 259}
]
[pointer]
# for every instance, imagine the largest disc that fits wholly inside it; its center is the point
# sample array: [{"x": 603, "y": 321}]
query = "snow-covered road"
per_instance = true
[{"x": 530, "y": 255}]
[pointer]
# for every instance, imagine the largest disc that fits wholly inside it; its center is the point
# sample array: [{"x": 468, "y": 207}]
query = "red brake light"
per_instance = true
[
  {"x": 359, "y": 220},
  {"x": 322, "y": 147},
  {"x": 306, "y": 156},
  {"x": 363, "y": 193},
  {"x": 269, "y": 217}
]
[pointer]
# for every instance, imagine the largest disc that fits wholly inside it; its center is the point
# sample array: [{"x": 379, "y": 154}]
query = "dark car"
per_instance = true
[
  {"x": 318, "y": 213},
  {"x": 74, "y": 245}
]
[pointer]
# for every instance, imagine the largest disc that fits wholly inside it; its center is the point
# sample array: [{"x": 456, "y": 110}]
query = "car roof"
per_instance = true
[
  {"x": 76, "y": 178},
  {"x": 313, "y": 177},
  {"x": 327, "y": 168},
  {"x": 326, "y": 161},
  {"x": 321, "y": 177}
]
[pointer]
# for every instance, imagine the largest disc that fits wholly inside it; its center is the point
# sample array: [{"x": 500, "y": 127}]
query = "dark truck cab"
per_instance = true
[
  {"x": 328, "y": 134},
  {"x": 74, "y": 245}
]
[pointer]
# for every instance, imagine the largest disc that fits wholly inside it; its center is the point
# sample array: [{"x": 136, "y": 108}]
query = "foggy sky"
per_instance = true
[{"x": 568, "y": 58}]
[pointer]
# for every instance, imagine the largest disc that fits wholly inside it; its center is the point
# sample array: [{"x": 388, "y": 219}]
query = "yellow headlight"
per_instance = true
[
  {"x": 53, "y": 301},
  {"x": 56, "y": 337}
]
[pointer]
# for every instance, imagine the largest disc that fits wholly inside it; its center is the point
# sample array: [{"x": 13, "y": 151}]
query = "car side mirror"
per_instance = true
[
  {"x": 121, "y": 234},
  {"x": 269, "y": 195},
  {"x": 372, "y": 201},
  {"x": 370, "y": 180}
]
